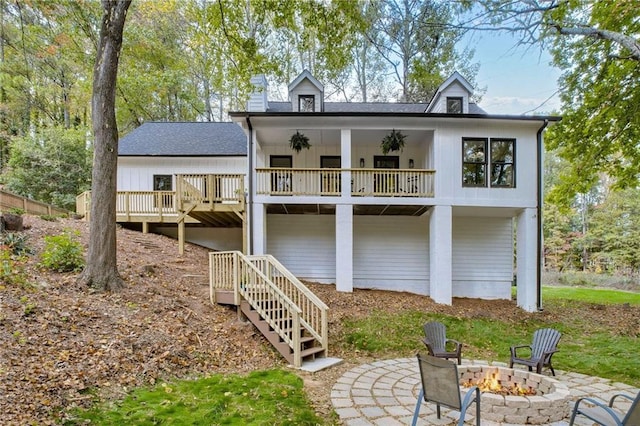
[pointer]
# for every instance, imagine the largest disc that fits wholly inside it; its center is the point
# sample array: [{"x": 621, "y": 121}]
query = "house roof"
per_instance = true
[
  {"x": 369, "y": 107},
  {"x": 184, "y": 139},
  {"x": 306, "y": 74},
  {"x": 454, "y": 78}
]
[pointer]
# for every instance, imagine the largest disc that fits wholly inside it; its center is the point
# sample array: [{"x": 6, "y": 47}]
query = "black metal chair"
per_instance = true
[
  {"x": 544, "y": 345},
  {"x": 604, "y": 414},
  {"x": 437, "y": 343},
  {"x": 441, "y": 384}
]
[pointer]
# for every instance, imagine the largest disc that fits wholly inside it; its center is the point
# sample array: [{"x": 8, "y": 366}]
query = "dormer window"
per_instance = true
[
  {"x": 454, "y": 105},
  {"x": 306, "y": 103}
]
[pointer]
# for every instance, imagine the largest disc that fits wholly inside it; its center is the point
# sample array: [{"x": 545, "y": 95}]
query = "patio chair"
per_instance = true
[
  {"x": 544, "y": 345},
  {"x": 441, "y": 384},
  {"x": 604, "y": 414},
  {"x": 437, "y": 343}
]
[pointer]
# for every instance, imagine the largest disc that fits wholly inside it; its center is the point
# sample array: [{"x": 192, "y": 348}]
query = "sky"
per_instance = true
[{"x": 517, "y": 79}]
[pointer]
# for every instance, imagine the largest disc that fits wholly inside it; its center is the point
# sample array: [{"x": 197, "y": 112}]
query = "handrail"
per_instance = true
[
  {"x": 256, "y": 288},
  {"x": 314, "y": 310}
]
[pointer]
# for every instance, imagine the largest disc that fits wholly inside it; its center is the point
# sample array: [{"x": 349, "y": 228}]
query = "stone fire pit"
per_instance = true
[{"x": 550, "y": 404}]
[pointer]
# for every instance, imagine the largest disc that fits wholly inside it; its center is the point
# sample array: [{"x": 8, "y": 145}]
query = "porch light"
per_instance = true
[
  {"x": 411, "y": 164},
  {"x": 361, "y": 162}
]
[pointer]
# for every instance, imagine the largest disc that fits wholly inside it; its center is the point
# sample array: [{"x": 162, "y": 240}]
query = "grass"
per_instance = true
[
  {"x": 276, "y": 397},
  {"x": 586, "y": 346},
  {"x": 273, "y": 397}
]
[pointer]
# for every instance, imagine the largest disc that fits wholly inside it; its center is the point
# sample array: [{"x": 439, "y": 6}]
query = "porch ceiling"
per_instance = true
[{"x": 358, "y": 209}]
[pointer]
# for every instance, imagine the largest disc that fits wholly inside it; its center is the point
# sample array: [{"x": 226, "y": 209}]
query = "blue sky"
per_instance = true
[{"x": 517, "y": 79}]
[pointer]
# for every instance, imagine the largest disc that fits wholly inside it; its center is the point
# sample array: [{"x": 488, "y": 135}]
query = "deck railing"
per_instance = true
[
  {"x": 364, "y": 182},
  {"x": 210, "y": 188},
  {"x": 260, "y": 278}
]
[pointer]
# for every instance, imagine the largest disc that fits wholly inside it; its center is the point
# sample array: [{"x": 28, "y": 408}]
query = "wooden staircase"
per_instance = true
[{"x": 287, "y": 313}]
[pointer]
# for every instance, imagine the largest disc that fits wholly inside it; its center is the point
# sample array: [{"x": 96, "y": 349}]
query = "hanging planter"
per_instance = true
[
  {"x": 394, "y": 141},
  {"x": 299, "y": 141}
]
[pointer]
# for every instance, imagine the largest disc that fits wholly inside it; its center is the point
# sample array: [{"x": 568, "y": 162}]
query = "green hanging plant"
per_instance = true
[
  {"x": 299, "y": 141},
  {"x": 394, "y": 141}
]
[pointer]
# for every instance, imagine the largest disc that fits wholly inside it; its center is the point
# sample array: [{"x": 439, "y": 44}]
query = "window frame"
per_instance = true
[
  {"x": 302, "y": 98},
  {"x": 512, "y": 163},
  {"x": 452, "y": 99},
  {"x": 483, "y": 163},
  {"x": 162, "y": 178}
]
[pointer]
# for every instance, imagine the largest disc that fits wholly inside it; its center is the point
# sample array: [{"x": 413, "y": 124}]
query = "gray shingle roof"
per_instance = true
[
  {"x": 184, "y": 140},
  {"x": 369, "y": 107}
]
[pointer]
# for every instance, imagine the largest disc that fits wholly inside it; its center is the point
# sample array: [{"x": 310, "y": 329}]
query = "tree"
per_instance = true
[
  {"x": 52, "y": 166},
  {"x": 417, "y": 40},
  {"x": 597, "y": 45},
  {"x": 101, "y": 271}
]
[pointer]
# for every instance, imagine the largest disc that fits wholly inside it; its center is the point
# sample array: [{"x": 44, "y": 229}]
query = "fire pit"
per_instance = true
[{"x": 516, "y": 396}]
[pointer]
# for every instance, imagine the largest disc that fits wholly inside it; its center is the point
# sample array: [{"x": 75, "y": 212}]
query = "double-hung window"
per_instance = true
[
  {"x": 503, "y": 163},
  {"x": 474, "y": 162},
  {"x": 488, "y": 162}
]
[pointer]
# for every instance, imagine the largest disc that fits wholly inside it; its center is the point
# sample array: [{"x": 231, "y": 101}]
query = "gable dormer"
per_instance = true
[
  {"x": 452, "y": 97},
  {"x": 306, "y": 94}
]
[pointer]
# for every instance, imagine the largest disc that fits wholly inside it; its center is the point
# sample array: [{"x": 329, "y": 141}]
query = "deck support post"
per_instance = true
[
  {"x": 145, "y": 227},
  {"x": 344, "y": 247},
  {"x": 181, "y": 236},
  {"x": 441, "y": 254}
]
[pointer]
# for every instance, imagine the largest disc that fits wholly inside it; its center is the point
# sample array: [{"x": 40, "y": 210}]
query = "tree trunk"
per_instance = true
[{"x": 101, "y": 272}]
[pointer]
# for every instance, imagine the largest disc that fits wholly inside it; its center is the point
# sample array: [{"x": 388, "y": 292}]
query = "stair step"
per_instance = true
[{"x": 311, "y": 351}]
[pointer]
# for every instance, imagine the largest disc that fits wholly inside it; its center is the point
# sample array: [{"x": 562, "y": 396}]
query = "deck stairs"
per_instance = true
[{"x": 283, "y": 309}]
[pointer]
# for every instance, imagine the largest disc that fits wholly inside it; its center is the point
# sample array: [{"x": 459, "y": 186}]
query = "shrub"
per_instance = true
[
  {"x": 16, "y": 243},
  {"x": 11, "y": 271},
  {"x": 63, "y": 253},
  {"x": 17, "y": 211},
  {"x": 49, "y": 218}
]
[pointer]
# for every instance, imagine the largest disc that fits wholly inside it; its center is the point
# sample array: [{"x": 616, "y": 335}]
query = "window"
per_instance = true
[
  {"x": 163, "y": 183},
  {"x": 306, "y": 103},
  {"x": 454, "y": 105},
  {"x": 474, "y": 162},
  {"x": 502, "y": 163}
]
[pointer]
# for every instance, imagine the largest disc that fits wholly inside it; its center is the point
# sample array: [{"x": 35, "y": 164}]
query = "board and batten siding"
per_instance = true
[
  {"x": 136, "y": 173},
  {"x": 304, "y": 244},
  {"x": 391, "y": 253},
  {"x": 482, "y": 263}
]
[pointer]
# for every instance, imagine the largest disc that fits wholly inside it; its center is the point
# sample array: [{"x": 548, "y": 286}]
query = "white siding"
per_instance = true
[
  {"x": 306, "y": 88},
  {"x": 391, "y": 253},
  {"x": 455, "y": 90},
  {"x": 305, "y": 244},
  {"x": 136, "y": 173},
  {"x": 482, "y": 257},
  {"x": 218, "y": 239}
]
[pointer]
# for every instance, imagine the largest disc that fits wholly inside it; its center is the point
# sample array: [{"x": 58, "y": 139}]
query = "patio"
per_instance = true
[{"x": 385, "y": 393}]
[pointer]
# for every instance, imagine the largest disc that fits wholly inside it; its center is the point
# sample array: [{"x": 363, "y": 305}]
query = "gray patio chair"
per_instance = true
[
  {"x": 435, "y": 339},
  {"x": 604, "y": 414},
  {"x": 544, "y": 345},
  {"x": 441, "y": 384}
]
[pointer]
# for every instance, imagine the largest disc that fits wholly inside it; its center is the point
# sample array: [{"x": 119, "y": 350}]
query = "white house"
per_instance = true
[{"x": 453, "y": 213}]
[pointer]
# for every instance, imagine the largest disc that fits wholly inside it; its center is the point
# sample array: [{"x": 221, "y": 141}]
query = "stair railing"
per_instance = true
[
  {"x": 271, "y": 303},
  {"x": 314, "y": 311}
]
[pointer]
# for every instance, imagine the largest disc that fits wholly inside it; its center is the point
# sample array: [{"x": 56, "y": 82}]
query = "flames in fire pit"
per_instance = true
[{"x": 492, "y": 383}]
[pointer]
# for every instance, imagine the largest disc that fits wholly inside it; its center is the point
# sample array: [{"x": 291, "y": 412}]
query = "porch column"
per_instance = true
[
  {"x": 440, "y": 255},
  {"x": 345, "y": 159},
  {"x": 259, "y": 229},
  {"x": 527, "y": 259},
  {"x": 344, "y": 247}
]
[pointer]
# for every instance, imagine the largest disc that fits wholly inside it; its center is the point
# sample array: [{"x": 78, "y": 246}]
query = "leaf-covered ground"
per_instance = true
[{"x": 60, "y": 344}]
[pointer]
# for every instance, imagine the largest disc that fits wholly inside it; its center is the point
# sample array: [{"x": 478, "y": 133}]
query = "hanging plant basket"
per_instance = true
[
  {"x": 394, "y": 141},
  {"x": 299, "y": 141}
]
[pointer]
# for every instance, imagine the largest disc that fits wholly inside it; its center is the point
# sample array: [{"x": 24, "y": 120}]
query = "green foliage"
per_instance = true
[
  {"x": 11, "y": 270},
  {"x": 17, "y": 211},
  {"x": 16, "y": 243},
  {"x": 298, "y": 142},
  {"x": 63, "y": 253},
  {"x": 53, "y": 166},
  {"x": 49, "y": 218},
  {"x": 394, "y": 141},
  {"x": 601, "y": 97},
  {"x": 273, "y": 397}
]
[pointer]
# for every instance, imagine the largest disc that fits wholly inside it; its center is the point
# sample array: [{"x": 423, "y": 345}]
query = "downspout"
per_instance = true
[
  {"x": 539, "y": 201},
  {"x": 249, "y": 205}
]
